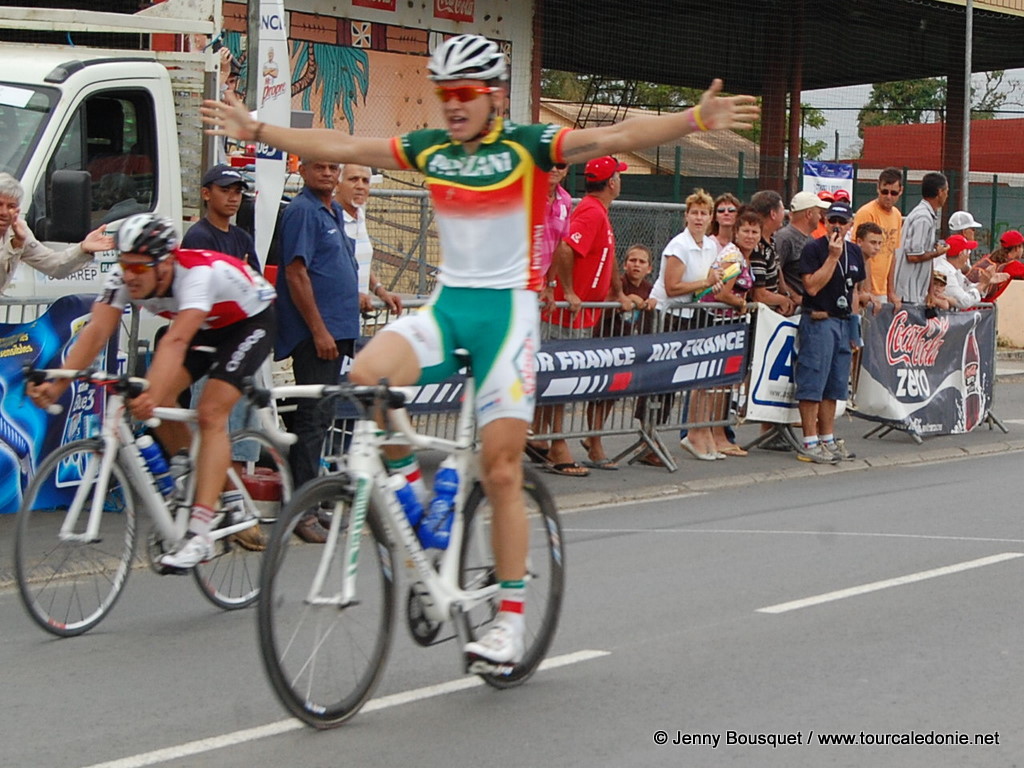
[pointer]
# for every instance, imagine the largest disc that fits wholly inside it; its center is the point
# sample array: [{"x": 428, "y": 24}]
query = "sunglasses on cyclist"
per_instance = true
[
  {"x": 462, "y": 93},
  {"x": 726, "y": 209},
  {"x": 137, "y": 267}
]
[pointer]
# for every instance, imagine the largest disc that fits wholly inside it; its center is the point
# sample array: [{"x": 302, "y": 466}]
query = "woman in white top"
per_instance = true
[{"x": 687, "y": 266}]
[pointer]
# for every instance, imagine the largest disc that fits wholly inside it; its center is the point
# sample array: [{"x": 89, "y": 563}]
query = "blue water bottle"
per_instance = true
[
  {"x": 157, "y": 464},
  {"x": 407, "y": 498},
  {"x": 437, "y": 525}
]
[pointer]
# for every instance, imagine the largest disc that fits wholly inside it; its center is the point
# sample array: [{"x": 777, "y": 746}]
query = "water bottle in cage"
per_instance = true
[
  {"x": 157, "y": 464},
  {"x": 437, "y": 525}
]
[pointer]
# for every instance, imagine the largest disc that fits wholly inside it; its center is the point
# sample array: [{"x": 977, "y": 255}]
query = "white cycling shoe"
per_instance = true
[
  {"x": 501, "y": 646},
  {"x": 198, "y": 549}
]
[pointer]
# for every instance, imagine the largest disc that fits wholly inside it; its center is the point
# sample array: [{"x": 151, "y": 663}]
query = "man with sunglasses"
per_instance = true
[
  {"x": 488, "y": 181},
  {"x": 214, "y": 302},
  {"x": 883, "y": 212},
  {"x": 832, "y": 270}
]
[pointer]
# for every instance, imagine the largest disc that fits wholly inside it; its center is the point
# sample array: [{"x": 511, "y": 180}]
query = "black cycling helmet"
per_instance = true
[
  {"x": 467, "y": 57},
  {"x": 147, "y": 235}
]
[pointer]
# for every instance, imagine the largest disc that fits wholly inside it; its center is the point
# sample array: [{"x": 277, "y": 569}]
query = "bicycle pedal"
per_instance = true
[
  {"x": 478, "y": 666},
  {"x": 167, "y": 570}
]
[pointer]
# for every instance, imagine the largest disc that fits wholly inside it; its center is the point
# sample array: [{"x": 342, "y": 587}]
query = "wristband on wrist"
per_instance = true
[{"x": 701, "y": 126}]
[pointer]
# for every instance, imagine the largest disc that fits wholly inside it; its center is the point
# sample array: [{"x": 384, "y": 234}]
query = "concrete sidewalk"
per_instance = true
[{"x": 637, "y": 482}]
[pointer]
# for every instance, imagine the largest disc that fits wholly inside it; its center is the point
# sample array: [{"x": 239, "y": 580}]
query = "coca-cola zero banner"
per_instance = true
[{"x": 929, "y": 376}]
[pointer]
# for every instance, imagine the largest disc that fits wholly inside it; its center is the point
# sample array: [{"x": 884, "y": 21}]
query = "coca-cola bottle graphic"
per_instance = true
[{"x": 974, "y": 401}]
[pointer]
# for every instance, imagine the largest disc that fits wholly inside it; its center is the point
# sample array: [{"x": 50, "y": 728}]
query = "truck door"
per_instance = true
[{"x": 111, "y": 136}]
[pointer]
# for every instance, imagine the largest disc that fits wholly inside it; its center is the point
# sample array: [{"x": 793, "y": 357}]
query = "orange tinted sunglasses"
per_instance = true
[
  {"x": 462, "y": 93},
  {"x": 137, "y": 267}
]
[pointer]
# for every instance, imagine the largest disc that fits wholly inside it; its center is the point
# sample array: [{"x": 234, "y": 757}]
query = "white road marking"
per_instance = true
[
  {"x": 284, "y": 726},
  {"x": 816, "y": 534},
  {"x": 899, "y": 581}
]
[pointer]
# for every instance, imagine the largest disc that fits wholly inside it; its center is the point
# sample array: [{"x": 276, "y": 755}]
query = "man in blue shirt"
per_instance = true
[{"x": 318, "y": 311}]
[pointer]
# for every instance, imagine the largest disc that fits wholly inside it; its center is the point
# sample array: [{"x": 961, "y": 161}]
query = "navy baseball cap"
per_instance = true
[
  {"x": 224, "y": 176},
  {"x": 840, "y": 211}
]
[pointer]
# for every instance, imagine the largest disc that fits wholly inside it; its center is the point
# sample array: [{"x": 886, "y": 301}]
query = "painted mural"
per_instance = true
[{"x": 363, "y": 77}]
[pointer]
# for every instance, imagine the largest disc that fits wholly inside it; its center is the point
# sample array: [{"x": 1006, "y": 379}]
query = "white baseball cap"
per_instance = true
[
  {"x": 803, "y": 200},
  {"x": 962, "y": 220}
]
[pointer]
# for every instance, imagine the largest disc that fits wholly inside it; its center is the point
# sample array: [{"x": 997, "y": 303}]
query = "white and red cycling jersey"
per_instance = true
[{"x": 223, "y": 286}]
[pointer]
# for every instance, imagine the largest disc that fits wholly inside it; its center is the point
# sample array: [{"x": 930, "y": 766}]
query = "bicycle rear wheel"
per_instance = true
[
  {"x": 545, "y": 577},
  {"x": 68, "y": 586},
  {"x": 231, "y": 579},
  {"x": 323, "y": 658}
]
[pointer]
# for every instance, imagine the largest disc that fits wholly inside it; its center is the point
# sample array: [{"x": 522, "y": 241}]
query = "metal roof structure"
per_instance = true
[{"x": 689, "y": 42}]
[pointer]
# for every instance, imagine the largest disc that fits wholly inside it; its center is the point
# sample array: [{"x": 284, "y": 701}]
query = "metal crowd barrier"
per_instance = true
[{"x": 641, "y": 417}]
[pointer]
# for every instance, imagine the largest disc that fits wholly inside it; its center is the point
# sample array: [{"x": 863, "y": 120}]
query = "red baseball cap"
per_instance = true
[
  {"x": 603, "y": 168},
  {"x": 958, "y": 244},
  {"x": 1011, "y": 238},
  {"x": 841, "y": 195},
  {"x": 826, "y": 196}
]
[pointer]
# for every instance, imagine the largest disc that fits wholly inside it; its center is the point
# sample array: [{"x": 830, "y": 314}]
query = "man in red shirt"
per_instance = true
[{"x": 584, "y": 262}]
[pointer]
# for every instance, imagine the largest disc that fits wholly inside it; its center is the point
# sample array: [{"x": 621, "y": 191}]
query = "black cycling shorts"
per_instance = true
[{"x": 239, "y": 349}]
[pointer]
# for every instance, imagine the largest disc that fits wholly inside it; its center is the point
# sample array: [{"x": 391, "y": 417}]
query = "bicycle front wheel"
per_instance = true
[
  {"x": 545, "y": 573},
  {"x": 324, "y": 655},
  {"x": 231, "y": 578},
  {"x": 67, "y": 583}
]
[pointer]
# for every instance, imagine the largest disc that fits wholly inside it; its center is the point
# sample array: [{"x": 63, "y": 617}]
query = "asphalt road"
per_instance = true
[{"x": 875, "y": 603}]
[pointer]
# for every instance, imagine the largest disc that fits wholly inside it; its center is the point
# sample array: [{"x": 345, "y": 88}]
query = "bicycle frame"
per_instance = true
[
  {"x": 440, "y": 596},
  {"x": 119, "y": 445}
]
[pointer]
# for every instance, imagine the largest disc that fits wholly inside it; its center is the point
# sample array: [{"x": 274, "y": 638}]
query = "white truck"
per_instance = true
[{"x": 95, "y": 135}]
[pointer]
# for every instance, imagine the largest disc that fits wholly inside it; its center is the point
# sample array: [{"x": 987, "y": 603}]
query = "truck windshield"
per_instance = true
[{"x": 24, "y": 111}]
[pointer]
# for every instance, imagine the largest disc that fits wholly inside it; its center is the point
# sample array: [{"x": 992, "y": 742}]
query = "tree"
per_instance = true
[
  {"x": 921, "y": 101},
  {"x": 567, "y": 86}
]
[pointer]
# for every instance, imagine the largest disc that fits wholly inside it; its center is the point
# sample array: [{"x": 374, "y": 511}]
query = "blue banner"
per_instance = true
[{"x": 28, "y": 434}]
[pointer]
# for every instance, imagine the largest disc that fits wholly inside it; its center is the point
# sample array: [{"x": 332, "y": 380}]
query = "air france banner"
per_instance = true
[
  {"x": 929, "y": 376},
  {"x": 28, "y": 434},
  {"x": 273, "y": 106},
  {"x": 613, "y": 368}
]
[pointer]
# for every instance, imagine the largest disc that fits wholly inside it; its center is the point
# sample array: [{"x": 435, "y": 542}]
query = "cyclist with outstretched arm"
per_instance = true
[
  {"x": 214, "y": 302},
  {"x": 488, "y": 182}
]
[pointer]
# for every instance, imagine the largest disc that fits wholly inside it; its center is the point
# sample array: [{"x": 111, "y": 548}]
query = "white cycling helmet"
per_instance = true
[
  {"x": 467, "y": 57},
  {"x": 147, "y": 234}
]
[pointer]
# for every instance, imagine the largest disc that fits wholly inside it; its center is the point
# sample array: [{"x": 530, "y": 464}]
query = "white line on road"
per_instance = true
[
  {"x": 899, "y": 581},
  {"x": 816, "y": 534},
  {"x": 291, "y": 724}
]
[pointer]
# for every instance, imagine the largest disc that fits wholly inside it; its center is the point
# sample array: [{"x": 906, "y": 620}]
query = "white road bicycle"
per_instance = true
[
  {"x": 77, "y": 529},
  {"x": 326, "y": 613}
]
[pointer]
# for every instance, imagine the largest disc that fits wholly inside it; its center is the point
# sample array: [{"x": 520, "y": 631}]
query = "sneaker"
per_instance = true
[
  {"x": 197, "y": 549},
  {"x": 503, "y": 644},
  {"x": 838, "y": 449},
  {"x": 818, "y": 454}
]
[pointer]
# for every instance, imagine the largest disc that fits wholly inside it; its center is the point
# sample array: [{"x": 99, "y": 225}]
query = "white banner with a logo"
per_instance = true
[
  {"x": 273, "y": 106},
  {"x": 773, "y": 370},
  {"x": 827, "y": 177}
]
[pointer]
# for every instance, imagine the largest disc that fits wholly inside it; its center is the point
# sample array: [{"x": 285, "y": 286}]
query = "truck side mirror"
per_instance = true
[{"x": 71, "y": 196}]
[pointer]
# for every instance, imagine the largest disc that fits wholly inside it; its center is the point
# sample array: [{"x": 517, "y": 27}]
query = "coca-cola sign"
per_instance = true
[
  {"x": 927, "y": 375},
  {"x": 380, "y": 5},
  {"x": 914, "y": 344},
  {"x": 456, "y": 10}
]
